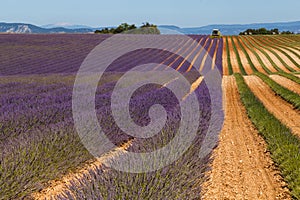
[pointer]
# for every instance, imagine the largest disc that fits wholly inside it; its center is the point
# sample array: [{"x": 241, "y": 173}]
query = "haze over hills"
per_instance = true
[
  {"x": 235, "y": 29},
  {"x": 29, "y": 28},
  {"x": 66, "y": 25},
  {"x": 226, "y": 29}
]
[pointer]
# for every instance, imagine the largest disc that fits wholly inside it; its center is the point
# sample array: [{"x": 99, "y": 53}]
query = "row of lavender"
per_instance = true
[
  {"x": 51, "y": 54},
  {"x": 38, "y": 140},
  {"x": 44, "y": 54},
  {"x": 180, "y": 180}
]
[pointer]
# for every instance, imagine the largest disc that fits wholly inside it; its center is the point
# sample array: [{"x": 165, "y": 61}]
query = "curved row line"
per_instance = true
[{"x": 250, "y": 54}]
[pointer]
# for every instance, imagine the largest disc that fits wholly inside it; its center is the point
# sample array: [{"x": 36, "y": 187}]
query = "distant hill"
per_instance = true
[
  {"x": 233, "y": 29},
  {"x": 29, "y": 28},
  {"x": 65, "y": 25}
]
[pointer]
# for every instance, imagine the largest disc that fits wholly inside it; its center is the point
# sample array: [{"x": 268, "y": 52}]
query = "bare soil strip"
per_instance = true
[
  {"x": 59, "y": 186},
  {"x": 253, "y": 59},
  {"x": 242, "y": 55},
  {"x": 272, "y": 56},
  {"x": 288, "y": 47},
  {"x": 233, "y": 59},
  {"x": 224, "y": 59},
  {"x": 281, "y": 109},
  {"x": 242, "y": 168},
  {"x": 266, "y": 61},
  {"x": 286, "y": 59},
  {"x": 286, "y": 39},
  {"x": 194, "y": 86},
  {"x": 287, "y": 83},
  {"x": 287, "y": 43},
  {"x": 297, "y": 50},
  {"x": 275, "y": 60},
  {"x": 296, "y": 58}
]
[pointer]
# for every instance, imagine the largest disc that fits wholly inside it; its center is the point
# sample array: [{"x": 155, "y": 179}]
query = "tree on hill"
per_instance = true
[
  {"x": 146, "y": 28},
  {"x": 148, "y": 25},
  {"x": 121, "y": 28},
  {"x": 261, "y": 31},
  {"x": 124, "y": 27},
  {"x": 287, "y": 33}
]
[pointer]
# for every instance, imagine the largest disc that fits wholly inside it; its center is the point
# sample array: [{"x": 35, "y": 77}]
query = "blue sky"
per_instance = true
[{"x": 184, "y": 13}]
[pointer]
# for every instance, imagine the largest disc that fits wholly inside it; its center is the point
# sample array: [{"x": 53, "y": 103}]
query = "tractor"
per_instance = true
[{"x": 216, "y": 34}]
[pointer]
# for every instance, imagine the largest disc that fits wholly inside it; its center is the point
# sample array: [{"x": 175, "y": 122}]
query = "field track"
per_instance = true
[
  {"x": 281, "y": 53},
  {"x": 233, "y": 58},
  {"x": 275, "y": 104},
  {"x": 265, "y": 60},
  {"x": 271, "y": 54},
  {"x": 287, "y": 83},
  {"x": 59, "y": 187},
  {"x": 253, "y": 58},
  {"x": 242, "y": 55},
  {"x": 241, "y": 169},
  {"x": 224, "y": 59}
]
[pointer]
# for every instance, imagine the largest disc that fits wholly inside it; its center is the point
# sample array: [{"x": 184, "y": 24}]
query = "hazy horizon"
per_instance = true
[{"x": 195, "y": 13}]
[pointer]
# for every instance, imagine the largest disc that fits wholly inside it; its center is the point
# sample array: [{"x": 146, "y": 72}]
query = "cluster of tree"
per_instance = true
[
  {"x": 148, "y": 25},
  {"x": 287, "y": 32},
  {"x": 124, "y": 27},
  {"x": 121, "y": 28},
  {"x": 264, "y": 31}
]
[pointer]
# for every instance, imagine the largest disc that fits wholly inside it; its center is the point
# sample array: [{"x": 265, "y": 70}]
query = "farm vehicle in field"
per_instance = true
[{"x": 216, "y": 33}]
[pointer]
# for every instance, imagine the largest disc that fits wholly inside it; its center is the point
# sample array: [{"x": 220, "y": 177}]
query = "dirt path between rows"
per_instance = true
[
  {"x": 224, "y": 59},
  {"x": 281, "y": 109},
  {"x": 265, "y": 60},
  {"x": 287, "y": 83},
  {"x": 276, "y": 60},
  {"x": 57, "y": 187},
  {"x": 241, "y": 168},
  {"x": 272, "y": 44},
  {"x": 287, "y": 45},
  {"x": 242, "y": 55},
  {"x": 254, "y": 60},
  {"x": 233, "y": 59},
  {"x": 286, "y": 59},
  {"x": 291, "y": 54},
  {"x": 272, "y": 56}
]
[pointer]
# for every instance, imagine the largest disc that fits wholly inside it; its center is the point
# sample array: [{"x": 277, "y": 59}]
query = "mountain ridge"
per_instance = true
[
  {"x": 226, "y": 29},
  {"x": 235, "y": 29},
  {"x": 30, "y": 28}
]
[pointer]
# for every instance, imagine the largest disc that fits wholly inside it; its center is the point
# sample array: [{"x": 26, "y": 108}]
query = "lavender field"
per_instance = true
[{"x": 39, "y": 142}]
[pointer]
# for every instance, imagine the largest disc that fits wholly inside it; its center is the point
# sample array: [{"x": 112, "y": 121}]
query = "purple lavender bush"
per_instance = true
[{"x": 38, "y": 140}]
